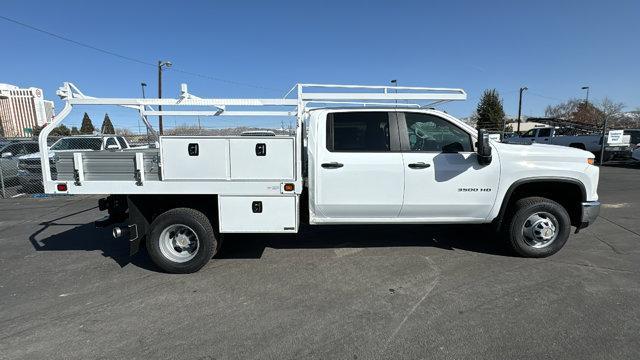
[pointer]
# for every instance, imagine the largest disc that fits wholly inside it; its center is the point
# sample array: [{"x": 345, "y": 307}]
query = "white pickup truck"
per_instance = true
[
  {"x": 385, "y": 161},
  {"x": 30, "y": 170},
  {"x": 590, "y": 142}
]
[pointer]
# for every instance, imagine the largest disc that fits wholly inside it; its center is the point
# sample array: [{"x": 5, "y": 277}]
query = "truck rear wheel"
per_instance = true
[
  {"x": 182, "y": 241},
  {"x": 538, "y": 227}
]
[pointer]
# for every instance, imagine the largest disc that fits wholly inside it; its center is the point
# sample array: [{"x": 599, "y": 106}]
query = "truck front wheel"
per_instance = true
[
  {"x": 537, "y": 227},
  {"x": 181, "y": 241}
]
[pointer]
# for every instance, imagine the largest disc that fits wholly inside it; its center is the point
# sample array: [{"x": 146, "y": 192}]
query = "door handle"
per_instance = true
[
  {"x": 419, "y": 165},
  {"x": 332, "y": 165}
]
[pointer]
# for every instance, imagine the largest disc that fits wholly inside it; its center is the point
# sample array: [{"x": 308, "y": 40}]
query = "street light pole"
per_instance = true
[
  {"x": 586, "y": 101},
  {"x": 522, "y": 89},
  {"x": 395, "y": 83},
  {"x": 143, "y": 85},
  {"x": 160, "y": 65}
]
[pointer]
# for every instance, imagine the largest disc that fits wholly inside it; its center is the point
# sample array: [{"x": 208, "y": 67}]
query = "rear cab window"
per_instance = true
[
  {"x": 123, "y": 144},
  {"x": 361, "y": 132}
]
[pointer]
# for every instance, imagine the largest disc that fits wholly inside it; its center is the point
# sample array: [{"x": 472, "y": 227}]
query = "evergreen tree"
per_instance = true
[
  {"x": 60, "y": 131},
  {"x": 490, "y": 111},
  {"x": 36, "y": 131},
  {"x": 87, "y": 126},
  {"x": 107, "y": 126},
  {"x": 74, "y": 130}
]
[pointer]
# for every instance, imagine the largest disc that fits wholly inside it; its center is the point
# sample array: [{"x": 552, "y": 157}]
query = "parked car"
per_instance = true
[
  {"x": 588, "y": 142},
  {"x": 9, "y": 154},
  {"x": 635, "y": 155},
  {"x": 29, "y": 170},
  {"x": 634, "y": 135}
]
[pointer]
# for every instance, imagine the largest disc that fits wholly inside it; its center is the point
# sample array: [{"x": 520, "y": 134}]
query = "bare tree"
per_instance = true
[
  {"x": 612, "y": 112},
  {"x": 562, "y": 110},
  {"x": 123, "y": 132}
]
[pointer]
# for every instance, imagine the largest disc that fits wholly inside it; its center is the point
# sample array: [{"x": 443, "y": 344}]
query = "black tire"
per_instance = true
[
  {"x": 207, "y": 244},
  {"x": 516, "y": 226}
]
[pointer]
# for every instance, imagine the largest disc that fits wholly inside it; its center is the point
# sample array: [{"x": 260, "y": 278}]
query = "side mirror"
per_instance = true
[
  {"x": 112, "y": 147},
  {"x": 7, "y": 155},
  {"x": 484, "y": 149}
]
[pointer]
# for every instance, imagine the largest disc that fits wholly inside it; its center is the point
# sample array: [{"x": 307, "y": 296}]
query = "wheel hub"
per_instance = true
[
  {"x": 540, "y": 229},
  {"x": 182, "y": 241},
  {"x": 179, "y": 243}
]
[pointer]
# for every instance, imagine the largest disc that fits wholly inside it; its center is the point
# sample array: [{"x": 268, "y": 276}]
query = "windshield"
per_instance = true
[
  {"x": 530, "y": 133},
  {"x": 78, "y": 144}
]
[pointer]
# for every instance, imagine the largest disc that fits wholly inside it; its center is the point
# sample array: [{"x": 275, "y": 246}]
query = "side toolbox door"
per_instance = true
[
  {"x": 443, "y": 180},
  {"x": 359, "y": 171}
]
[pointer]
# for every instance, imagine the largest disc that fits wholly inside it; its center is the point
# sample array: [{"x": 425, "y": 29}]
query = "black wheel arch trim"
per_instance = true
[{"x": 519, "y": 182}]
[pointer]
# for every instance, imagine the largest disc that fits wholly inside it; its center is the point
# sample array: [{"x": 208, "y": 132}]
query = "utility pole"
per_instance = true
[
  {"x": 604, "y": 140},
  {"x": 522, "y": 89},
  {"x": 161, "y": 64}
]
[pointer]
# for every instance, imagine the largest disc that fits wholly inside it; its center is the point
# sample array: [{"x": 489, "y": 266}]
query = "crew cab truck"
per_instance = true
[
  {"x": 370, "y": 155},
  {"x": 589, "y": 142}
]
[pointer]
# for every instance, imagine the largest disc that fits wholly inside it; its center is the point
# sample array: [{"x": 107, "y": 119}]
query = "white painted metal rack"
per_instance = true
[{"x": 306, "y": 95}]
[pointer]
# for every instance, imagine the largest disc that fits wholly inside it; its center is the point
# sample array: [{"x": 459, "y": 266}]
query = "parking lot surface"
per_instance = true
[{"x": 69, "y": 291}]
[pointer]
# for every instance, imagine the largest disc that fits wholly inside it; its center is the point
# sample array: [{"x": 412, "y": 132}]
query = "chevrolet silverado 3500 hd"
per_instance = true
[{"x": 368, "y": 155}]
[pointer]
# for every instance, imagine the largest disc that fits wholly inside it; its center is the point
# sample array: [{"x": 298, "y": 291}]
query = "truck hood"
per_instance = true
[
  {"x": 37, "y": 155},
  {"x": 533, "y": 151}
]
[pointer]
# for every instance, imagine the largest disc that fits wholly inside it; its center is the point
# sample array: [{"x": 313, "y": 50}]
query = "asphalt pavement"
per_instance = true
[{"x": 69, "y": 291}]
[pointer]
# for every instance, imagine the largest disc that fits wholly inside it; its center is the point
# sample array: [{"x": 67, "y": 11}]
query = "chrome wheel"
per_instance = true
[
  {"x": 540, "y": 230},
  {"x": 179, "y": 243}
]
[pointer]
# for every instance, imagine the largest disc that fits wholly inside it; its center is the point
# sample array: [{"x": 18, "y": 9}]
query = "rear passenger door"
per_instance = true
[{"x": 359, "y": 170}]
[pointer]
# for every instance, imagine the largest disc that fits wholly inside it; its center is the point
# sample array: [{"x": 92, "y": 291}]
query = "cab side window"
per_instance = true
[
  {"x": 430, "y": 133},
  {"x": 544, "y": 132},
  {"x": 123, "y": 144},
  {"x": 32, "y": 148},
  {"x": 358, "y": 132}
]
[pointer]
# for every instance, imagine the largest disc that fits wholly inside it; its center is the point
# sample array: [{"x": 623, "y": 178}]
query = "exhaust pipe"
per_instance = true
[{"x": 119, "y": 232}]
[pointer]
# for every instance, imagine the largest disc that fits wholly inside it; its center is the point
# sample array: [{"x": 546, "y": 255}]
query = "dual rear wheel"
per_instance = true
[{"x": 182, "y": 240}]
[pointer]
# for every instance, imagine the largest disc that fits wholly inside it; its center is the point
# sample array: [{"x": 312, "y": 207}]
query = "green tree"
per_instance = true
[
  {"x": 490, "y": 114},
  {"x": 60, "y": 131},
  {"x": 87, "y": 126},
  {"x": 36, "y": 131},
  {"x": 107, "y": 126},
  {"x": 74, "y": 130}
]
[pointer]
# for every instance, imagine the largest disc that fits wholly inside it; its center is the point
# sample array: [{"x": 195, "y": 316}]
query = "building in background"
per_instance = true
[{"x": 23, "y": 109}]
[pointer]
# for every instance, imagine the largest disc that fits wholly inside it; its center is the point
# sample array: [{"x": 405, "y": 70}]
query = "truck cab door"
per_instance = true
[
  {"x": 358, "y": 167},
  {"x": 443, "y": 180},
  {"x": 544, "y": 136}
]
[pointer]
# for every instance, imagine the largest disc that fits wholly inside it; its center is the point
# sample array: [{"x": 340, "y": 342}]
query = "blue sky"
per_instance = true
[{"x": 553, "y": 47}]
